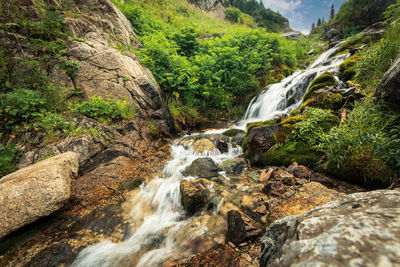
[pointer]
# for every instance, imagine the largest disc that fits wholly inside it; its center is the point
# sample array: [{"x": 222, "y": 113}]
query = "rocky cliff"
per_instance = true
[{"x": 99, "y": 40}]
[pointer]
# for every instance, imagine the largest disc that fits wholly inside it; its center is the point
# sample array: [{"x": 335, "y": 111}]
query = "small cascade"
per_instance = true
[
  {"x": 161, "y": 232},
  {"x": 280, "y": 98}
]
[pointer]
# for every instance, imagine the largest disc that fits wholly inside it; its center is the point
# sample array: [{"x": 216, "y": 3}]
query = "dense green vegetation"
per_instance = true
[
  {"x": 356, "y": 15},
  {"x": 264, "y": 17},
  {"x": 211, "y": 64},
  {"x": 363, "y": 148}
]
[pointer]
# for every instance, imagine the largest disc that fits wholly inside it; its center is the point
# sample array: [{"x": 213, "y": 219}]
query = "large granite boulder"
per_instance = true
[
  {"x": 389, "y": 87},
  {"x": 362, "y": 229},
  {"x": 36, "y": 191},
  {"x": 204, "y": 145}
]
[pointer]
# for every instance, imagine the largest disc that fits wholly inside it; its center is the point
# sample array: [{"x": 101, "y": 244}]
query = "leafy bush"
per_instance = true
[
  {"x": 311, "y": 129},
  {"x": 365, "y": 136},
  {"x": 7, "y": 157},
  {"x": 105, "y": 109},
  {"x": 19, "y": 106},
  {"x": 54, "y": 124},
  {"x": 233, "y": 14}
]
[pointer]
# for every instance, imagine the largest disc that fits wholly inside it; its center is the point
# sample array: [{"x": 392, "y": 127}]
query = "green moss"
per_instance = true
[
  {"x": 283, "y": 133},
  {"x": 289, "y": 153},
  {"x": 233, "y": 132},
  {"x": 326, "y": 79},
  {"x": 362, "y": 168},
  {"x": 347, "y": 70},
  {"x": 354, "y": 42},
  {"x": 328, "y": 101},
  {"x": 293, "y": 119}
]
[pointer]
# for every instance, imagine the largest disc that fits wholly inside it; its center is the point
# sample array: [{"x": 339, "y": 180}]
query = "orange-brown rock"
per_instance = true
[{"x": 309, "y": 196}]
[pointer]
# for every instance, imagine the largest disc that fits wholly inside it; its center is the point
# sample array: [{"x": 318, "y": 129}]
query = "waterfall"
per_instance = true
[
  {"x": 161, "y": 232},
  {"x": 280, "y": 98}
]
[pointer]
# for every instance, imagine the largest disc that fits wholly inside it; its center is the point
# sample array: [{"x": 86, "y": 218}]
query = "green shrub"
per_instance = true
[
  {"x": 233, "y": 15},
  {"x": 310, "y": 130},
  {"x": 54, "y": 125},
  {"x": 354, "y": 41},
  {"x": 8, "y": 154},
  {"x": 326, "y": 79},
  {"x": 105, "y": 109},
  {"x": 292, "y": 152},
  {"x": 367, "y": 135},
  {"x": 183, "y": 114},
  {"x": 20, "y": 106}
]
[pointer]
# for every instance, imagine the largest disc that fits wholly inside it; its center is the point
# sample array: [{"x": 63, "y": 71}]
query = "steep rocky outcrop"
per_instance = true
[
  {"x": 362, "y": 229},
  {"x": 389, "y": 87},
  {"x": 36, "y": 191}
]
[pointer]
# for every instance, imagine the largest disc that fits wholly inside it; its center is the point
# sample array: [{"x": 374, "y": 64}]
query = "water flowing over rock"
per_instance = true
[
  {"x": 281, "y": 98},
  {"x": 36, "y": 191},
  {"x": 362, "y": 229}
]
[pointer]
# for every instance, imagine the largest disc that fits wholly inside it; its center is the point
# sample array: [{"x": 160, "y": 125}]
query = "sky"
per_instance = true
[{"x": 302, "y": 13}]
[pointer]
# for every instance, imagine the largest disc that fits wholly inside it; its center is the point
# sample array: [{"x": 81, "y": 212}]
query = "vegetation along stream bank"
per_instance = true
[{"x": 198, "y": 133}]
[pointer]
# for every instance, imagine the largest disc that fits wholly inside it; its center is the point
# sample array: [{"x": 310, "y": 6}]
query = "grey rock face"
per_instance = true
[
  {"x": 389, "y": 87},
  {"x": 362, "y": 229},
  {"x": 36, "y": 191}
]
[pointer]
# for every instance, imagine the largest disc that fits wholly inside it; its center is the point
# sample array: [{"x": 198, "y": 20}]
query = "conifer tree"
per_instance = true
[
  {"x": 312, "y": 27},
  {"x": 319, "y": 22},
  {"x": 332, "y": 12}
]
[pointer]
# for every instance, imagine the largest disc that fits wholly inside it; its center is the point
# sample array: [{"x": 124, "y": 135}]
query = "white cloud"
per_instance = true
[{"x": 285, "y": 7}]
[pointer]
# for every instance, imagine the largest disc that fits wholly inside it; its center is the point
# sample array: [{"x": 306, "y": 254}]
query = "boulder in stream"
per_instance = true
[
  {"x": 202, "y": 168},
  {"x": 36, "y": 191},
  {"x": 194, "y": 195}
]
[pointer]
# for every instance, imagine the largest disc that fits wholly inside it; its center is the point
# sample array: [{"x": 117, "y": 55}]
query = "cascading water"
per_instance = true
[
  {"x": 280, "y": 98},
  {"x": 160, "y": 229},
  {"x": 161, "y": 232}
]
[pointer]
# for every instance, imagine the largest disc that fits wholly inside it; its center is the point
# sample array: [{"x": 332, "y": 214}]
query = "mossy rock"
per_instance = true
[
  {"x": 326, "y": 79},
  {"x": 233, "y": 132},
  {"x": 283, "y": 133},
  {"x": 325, "y": 100},
  {"x": 308, "y": 103},
  {"x": 362, "y": 168},
  {"x": 293, "y": 119},
  {"x": 354, "y": 42},
  {"x": 289, "y": 153},
  {"x": 254, "y": 125},
  {"x": 347, "y": 70}
]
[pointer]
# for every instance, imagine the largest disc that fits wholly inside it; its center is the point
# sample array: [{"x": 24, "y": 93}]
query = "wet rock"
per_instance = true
[
  {"x": 265, "y": 175},
  {"x": 321, "y": 178},
  {"x": 285, "y": 177},
  {"x": 274, "y": 188},
  {"x": 309, "y": 196},
  {"x": 389, "y": 87},
  {"x": 299, "y": 171},
  {"x": 232, "y": 165},
  {"x": 261, "y": 139},
  {"x": 204, "y": 145},
  {"x": 361, "y": 229},
  {"x": 36, "y": 191},
  {"x": 203, "y": 168},
  {"x": 242, "y": 227},
  {"x": 194, "y": 195},
  {"x": 220, "y": 255}
]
